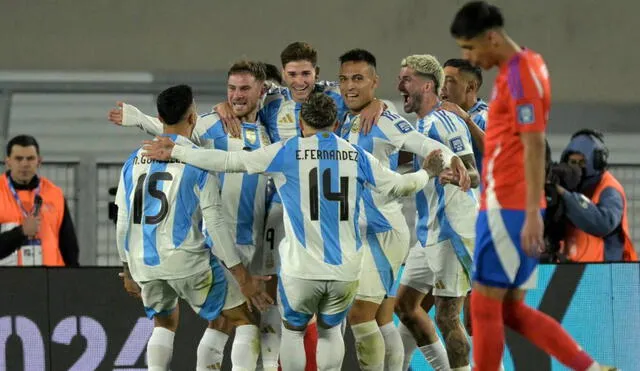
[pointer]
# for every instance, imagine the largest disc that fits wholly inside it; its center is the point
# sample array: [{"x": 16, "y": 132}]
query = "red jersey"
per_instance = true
[{"x": 520, "y": 103}]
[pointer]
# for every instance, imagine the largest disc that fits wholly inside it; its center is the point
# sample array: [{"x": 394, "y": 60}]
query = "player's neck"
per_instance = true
[
  {"x": 469, "y": 102},
  {"x": 507, "y": 50},
  {"x": 357, "y": 111},
  {"x": 251, "y": 117},
  {"x": 178, "y": 129},
  {"x": 309, "y": 132},
  {"x": 428, "y": 104}
]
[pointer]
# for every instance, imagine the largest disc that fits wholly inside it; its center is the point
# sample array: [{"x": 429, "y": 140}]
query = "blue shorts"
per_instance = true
[{"x": 499, "y": 258}]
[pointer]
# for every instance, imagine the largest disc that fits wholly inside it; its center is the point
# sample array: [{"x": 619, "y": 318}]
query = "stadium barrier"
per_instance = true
[{"x": 81, "y": 319}]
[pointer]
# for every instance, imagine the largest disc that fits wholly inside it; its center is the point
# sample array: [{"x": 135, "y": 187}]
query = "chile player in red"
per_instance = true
[{"x": 509, "y": 230}]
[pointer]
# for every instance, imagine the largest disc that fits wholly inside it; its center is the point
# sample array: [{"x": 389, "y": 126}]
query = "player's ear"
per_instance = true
[
  {"x": 317, "y": 73},
  {"x": 376, "y": 81},
  {"x": 161, "y": 120}
]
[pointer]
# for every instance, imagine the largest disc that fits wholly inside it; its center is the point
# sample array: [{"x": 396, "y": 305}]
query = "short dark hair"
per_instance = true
[
  {"x": 464, "y": 65},
  {"x": 358, "y": 55},
  {"x": 273, "y": 73},
  {"x": 173, "y": 103},
  {"x": 319, "y": 111},
  {"x": 474, "y": 18},
  {"x": 23, "y": 141},
  {"x": 299, "y": 51},
  {"x": 255, "y": 69}
]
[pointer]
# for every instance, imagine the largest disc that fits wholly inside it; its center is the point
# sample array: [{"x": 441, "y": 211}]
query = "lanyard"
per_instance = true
[{"x": 15, "y": 196}]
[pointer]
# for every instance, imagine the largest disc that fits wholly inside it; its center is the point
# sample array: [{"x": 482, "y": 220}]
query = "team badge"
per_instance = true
[
  {"x": 355, "y": 125},
  {"x": 250, "y": 136}
]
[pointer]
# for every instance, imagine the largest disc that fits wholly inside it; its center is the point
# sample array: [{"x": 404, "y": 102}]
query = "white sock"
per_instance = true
[
  {"x": 292, "y": 356},
  {"x": 393, "y": 348},
  {"x": 211, "y": 350},
  {"x": 409, "y": 344},
  {"x": 160, "y": 349},
  {"x": 330, "y": 353},
  {"x": 436, "y": 355},
  {"x": 270, "y": 324},
  {"x": 369, "y": 346},
  {"x": 246, "y": 347}
]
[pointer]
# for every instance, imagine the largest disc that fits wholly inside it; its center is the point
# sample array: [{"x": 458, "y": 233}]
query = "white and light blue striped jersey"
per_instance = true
[
  {"x": 280, "y": 113},
  {"x": 243, "y": 195},
  {"x": 478, "y": 114},
  {"x": 384, "y": 142},
  {"x": 445, "y": 212},
  {"x": 321, "y": 180},
  {"x": 165, "y": 204}
]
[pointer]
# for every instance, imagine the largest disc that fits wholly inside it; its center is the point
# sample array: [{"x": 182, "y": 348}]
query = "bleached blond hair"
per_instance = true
[{"x": 428, "y": 66}]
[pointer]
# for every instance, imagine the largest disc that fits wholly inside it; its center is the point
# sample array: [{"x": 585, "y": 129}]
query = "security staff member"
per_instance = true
[
  {"x": 599, "y": 229},
  {"x": 35, "y": 225}
]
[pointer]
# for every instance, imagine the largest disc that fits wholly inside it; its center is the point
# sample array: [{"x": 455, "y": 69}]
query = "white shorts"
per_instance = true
[
  {"x": 437, "y": 268},
  {"x": 383, "y": 255},
  {"x": 300, "y": 299},
  {"x": 268, "y": 259},
  {"x": 208, "y": 293}
]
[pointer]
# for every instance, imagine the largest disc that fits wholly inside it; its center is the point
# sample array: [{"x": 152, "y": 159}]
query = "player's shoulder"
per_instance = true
[
  {"x": 390, "y": 119},
  {"x": 449, "y": 120},
  {"x": 275, "y": 97}
]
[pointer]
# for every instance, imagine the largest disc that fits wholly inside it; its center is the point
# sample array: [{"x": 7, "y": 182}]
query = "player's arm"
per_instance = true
[
  {"x": 258, "y": 161},
  {"x": 122, "y": 232},
  {"x": 477, "y": 132},
  {"x": 411, "y": 141},
  {"x": 223, "y": 243},
  {"x": 384, "y": 180}
]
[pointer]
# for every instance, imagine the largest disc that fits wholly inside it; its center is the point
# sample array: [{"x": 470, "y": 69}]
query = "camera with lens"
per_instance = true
[{"x": 555, "y": 220}]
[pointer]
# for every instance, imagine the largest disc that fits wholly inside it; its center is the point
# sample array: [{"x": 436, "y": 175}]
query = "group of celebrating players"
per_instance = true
[{"x": 290, "y": 194}]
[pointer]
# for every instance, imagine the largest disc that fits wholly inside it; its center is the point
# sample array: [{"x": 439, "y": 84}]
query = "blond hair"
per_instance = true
[{"x": 428, "y": 66}]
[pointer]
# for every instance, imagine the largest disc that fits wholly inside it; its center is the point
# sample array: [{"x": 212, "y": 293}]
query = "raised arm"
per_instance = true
[{"x": 387, "y": 181}]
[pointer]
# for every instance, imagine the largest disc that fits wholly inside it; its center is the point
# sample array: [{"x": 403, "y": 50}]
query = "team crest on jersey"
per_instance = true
[
  {"x": 525, "y": 114},
  {"x": 457, "y": 145},
  {"x": 355, "y": 125},
  {"x": 250, "y": 136},
  {"x": 404, "y": 126}
]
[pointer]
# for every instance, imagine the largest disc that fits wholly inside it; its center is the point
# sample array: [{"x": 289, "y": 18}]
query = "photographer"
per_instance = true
[{"x": 597, "y": 228}]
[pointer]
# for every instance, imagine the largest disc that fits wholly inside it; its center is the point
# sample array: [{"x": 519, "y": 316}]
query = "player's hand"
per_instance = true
[
  {"x": 159, "y": 149},
  {"x": 130, "y": 286},
  {"x": 433, "y": 163},
  {"x": 254, "y": 290},
  {"x": 454, "y": 108},
  {"x": 447, "y": 176},
  {"x": 370, "y": 114},
  {"x": 461, "y": 173},
  {"x": 230, "y": 121},
  {"x": 115, "y": 114},
  {"x": 31, "y": 226},
  {"x": 532, "y": 235}
]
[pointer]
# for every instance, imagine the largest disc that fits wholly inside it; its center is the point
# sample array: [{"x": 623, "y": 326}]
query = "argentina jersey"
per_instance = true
[
  {"x": 479, "y": 113},
  {"x": 445, "y": 211},
  {"x": 280, "y": 113},
  {"x": 321, "y": 180},
  {"x": 165, "y": 202},
  {"x": 243, "y": 195},
  {"x": 384, "y": 142}
]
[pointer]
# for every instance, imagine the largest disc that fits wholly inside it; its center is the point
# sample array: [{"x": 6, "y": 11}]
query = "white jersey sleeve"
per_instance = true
[
  {"x": 122, "y": 221},
  {"x": 387, "y": 181},
  {"x": 211, "y": 205}
]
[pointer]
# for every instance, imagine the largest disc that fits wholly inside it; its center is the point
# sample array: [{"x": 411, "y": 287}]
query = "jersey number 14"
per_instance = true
[{"x": 342, "y": 196}]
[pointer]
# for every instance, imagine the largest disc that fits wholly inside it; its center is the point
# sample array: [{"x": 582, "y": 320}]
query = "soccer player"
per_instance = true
[
  {"x": 243, "y": 195},
  {"x": 321, "y": 179},
  {"x": 441, "y": 262},
  {"x": 280, "y": 114},
  {"x": 459, "y": 94},
  {"x": 161, "y": 207},
  {"x": 378, "y": 342},
  {"x": 509, "y": 232}
]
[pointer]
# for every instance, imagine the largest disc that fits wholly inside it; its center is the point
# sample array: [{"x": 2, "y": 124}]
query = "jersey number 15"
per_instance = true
[{"x": 152, "y": 185}]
